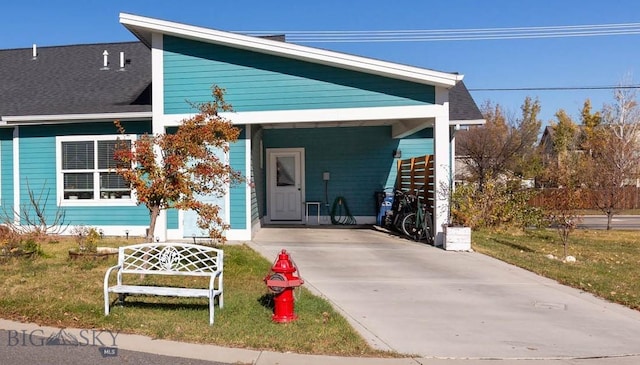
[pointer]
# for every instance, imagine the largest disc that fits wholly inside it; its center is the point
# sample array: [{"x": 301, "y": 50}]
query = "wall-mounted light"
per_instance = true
[
  {"x": 397, "y": 153},
  {"x": 126, "y": 231}
]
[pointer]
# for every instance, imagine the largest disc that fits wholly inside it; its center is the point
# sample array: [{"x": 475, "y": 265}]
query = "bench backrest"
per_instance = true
[{"x": 170, "y": 259}]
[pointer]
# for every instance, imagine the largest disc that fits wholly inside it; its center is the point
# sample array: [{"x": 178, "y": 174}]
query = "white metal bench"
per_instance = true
[{"x": 181, "y": 259}]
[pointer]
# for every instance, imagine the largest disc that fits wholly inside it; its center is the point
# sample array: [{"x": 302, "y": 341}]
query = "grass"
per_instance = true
[
  {"x": 608, "y": 262},
  {"x": 56, "y": 291}
]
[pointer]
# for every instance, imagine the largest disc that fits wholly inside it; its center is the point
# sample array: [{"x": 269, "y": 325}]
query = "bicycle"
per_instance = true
[
  {"x": 403, "y": 204},
  {"x": 418, "y": 225}
]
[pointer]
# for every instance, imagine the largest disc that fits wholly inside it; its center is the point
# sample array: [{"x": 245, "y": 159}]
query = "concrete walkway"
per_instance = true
[{"x": 417, "y": 299}]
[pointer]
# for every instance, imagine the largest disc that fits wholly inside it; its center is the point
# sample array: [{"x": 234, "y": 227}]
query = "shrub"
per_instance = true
[
  {"x": 87, "y": 238},
  {"x": 497, "y": 205}
]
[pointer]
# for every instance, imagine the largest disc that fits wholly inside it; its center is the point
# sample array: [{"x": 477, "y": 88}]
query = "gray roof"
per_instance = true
[
  {"x": 461, "y": 104},
  {"x": 70, "y": 80}
]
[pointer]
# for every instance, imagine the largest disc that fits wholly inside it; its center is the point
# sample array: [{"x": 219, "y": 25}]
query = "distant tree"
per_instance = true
[
  {"x": 614, "y": 159},
  {"x": 561, "y": 204},
  {"x": 591, "y": 122},
  {"x": 561, "y": 211},
  {"x": 564, "y": 170},
  {"x": 565, "y": 134},
  {"x": 173, "y": 170},
  {"x": 528, "y": 162},
  {"x": 500, "y": 146}
]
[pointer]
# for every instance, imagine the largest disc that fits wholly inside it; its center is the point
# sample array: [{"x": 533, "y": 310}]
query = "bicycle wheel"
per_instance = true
[
  {"x": 411, "y": 228},
  {"x": 429, "y": 228}
]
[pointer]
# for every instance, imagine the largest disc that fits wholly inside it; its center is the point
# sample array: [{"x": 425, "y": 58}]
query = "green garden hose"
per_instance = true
[{"x": 340, "y": 212}]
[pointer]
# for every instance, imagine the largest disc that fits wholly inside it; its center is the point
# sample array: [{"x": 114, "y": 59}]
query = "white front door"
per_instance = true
[{"x": 285, "y": 174}]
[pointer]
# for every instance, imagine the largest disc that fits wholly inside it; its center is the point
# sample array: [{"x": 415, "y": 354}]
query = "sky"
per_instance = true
[{"x": 508, "y": 63}]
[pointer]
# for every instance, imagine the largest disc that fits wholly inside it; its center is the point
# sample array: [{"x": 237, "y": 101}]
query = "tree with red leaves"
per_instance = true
[{"x": 173, "y": 170}]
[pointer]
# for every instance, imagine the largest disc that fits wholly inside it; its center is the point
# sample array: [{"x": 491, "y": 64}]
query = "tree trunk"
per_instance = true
[
  {"x": 155, "y": 212},
  {"x": 609, "y": 220}
]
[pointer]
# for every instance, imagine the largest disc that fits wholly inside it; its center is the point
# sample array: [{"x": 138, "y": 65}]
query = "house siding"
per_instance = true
[
  {"x": 6, "y": 169},
  {"x": 359, "y": 159},
  {"x": 261, "y": 82},
  {"x": 237, "y": 192},
  {"x": 38, "y": 173},
  {"x": 257, "y": 174}
]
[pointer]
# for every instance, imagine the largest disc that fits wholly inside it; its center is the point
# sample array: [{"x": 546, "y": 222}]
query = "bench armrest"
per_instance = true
[
  {"x": 212, "y": 282},
  {"x": 106, "y": 276},
  {"x": 106, "y": 287}
]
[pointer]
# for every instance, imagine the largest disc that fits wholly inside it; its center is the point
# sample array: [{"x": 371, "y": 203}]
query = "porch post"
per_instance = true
[
  {"x": 442, "y": 165},
  {"x": 157, "y": 125}
]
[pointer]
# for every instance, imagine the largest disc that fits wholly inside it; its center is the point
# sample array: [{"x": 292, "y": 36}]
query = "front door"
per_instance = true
[{"x": 285, "y": 175}]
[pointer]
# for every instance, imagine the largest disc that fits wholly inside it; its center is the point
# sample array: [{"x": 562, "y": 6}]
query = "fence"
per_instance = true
[
  {"x": 415, "y": 175},
  {"x": 630, "y": 199}
]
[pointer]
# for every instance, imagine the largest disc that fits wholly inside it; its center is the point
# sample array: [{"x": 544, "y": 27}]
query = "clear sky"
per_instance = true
[{"x": 550, "y": 62}]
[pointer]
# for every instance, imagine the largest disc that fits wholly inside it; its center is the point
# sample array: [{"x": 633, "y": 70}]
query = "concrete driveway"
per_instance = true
[{"x": 420, "y": 300}]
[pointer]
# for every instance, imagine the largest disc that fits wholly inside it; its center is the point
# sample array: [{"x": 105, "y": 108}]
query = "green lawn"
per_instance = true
[
  {"x": 608, "y": 262},
  {"x": 54, "y": 290}
]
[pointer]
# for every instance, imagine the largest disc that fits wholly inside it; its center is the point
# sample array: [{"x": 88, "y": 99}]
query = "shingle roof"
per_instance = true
[
  {"x": 69, "y": 80},
  {"x": 461, "y": 104}
]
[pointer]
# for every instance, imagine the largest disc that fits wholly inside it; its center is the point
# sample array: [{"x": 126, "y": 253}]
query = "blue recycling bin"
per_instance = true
[{"x": 386, "y": 201}]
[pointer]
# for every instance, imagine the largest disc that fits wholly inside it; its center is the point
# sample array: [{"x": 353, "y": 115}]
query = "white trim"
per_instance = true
[
  {"x": 247, "y": 185},
  {"x": 320, "y": 115},
  {"x": 16, "y": 175},
  {"x": 442, "y": 170},
  {"x": 157, "y": 76},
  {"x": 246, "y": 233},
  {"x": 157, "y": 97},
  {"x": 58, "y": 118},
  {"x": 239, "y": 234},
  {"x": 174, "y": 234},
  {"x": 96, "y": 201},
  {"x": 135, "y": 231},
  {"x": 180, "y": 230},
  {"x": 143, "y": 26},
  {"x": 467, "y": 122},
  {"x": 407, "y": 127}
]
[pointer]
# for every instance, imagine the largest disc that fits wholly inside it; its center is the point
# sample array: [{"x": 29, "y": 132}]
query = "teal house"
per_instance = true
[{"x": 316, "y": 125}]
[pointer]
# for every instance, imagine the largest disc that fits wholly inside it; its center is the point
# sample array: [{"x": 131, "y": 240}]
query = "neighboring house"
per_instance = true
[
  {"x": 315, "y": 124},
  {"x": 547, "y": 147}
]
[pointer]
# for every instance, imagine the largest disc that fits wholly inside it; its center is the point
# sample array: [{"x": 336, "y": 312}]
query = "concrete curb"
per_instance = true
[{"x": 205, "y": 352}]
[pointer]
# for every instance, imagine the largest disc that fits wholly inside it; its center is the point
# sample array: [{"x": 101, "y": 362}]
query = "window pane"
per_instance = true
[
  {"x": 77, "y": 155},
  {"x": 106, "y": 151},
  {"x": 111, "y": 180},
  {"x": 113, "y": 186},
  {"x": 78, "y": 186},
  {"x": 78, "y": 181},
  {"x": 286, "y": 171}
]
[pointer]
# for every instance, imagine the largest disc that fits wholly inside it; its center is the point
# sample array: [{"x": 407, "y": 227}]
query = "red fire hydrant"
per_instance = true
[{"x": 282, "y": 282}]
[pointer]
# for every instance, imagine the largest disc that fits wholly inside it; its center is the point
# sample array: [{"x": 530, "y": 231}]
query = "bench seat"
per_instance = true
[{"x": 159, "y": 290}]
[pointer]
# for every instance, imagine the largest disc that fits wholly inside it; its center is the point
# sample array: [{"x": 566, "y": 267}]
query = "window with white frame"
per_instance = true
[{"x": 87, "y": 168}]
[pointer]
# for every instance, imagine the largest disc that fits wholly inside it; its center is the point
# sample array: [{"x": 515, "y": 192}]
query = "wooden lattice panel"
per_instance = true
[{"x": 415, "y": 176}]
